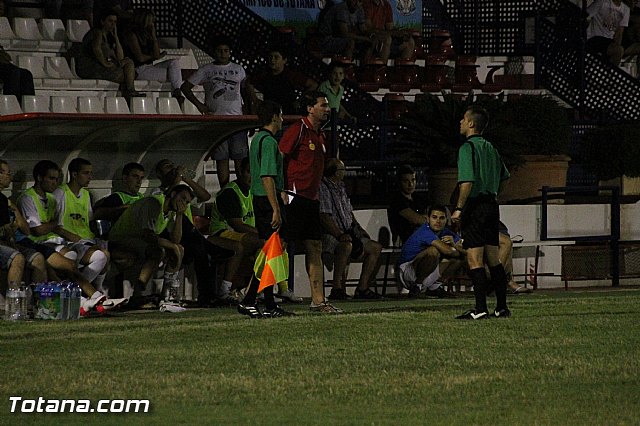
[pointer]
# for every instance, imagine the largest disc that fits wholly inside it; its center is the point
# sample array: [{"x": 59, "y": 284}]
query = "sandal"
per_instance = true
[{"x": 520, "y": 290}]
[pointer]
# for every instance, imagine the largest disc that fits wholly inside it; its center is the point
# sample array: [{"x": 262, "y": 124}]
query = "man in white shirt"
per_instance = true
[
  {"x": 226, "y": 93},
  {"x": 608, "y": 18}
]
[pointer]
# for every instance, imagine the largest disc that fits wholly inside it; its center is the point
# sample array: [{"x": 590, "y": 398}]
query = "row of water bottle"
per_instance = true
[{"x": 50, "y": 300}]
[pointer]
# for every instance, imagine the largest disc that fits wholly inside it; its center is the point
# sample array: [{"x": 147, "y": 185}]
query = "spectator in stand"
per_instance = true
[
  {"x": 122, "y": 8},
  {"x": 341, "y": 229},
  {"x": 197, "y": 249},
  {"x": 406, "y": 211},
  {"x": 344, "y": 31},
  {"x": 141, "y": 45},
  {"x": 608, "y": 19},
  {"x": 631, "y": 36},
  {"x": 102, "y": 57},
  {"x": 14, "y": 257},
  {"x": 226, "y": 93},
  {"x": 303, "y": 146},
  {"x": 111, "y": 207},
  {"x": 394, "y": 43},
  {"x": 39, "y": 207},
  {"x": 144, "y": 230},
  {"x": 279, "y": 83},
  {"x": 431, "y": 252},
  {"x": 334, "y": 91},
  {"x": 15, "y": 81}
]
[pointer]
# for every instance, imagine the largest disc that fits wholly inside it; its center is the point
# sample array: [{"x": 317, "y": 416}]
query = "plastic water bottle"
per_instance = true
[
  {"x": 30, "y": 300},
  {"x": 65, "y": 300},
  {"x": 15, "y": 303},
  {"x": 74, "y": 305}
]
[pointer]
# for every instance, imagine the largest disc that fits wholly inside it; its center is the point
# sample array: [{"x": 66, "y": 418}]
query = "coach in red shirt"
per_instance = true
[{"x": 303, "y": 146}]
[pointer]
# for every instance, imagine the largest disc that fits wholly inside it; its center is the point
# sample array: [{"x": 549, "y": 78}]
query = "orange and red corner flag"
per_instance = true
[{"x": 272, "y": 263}]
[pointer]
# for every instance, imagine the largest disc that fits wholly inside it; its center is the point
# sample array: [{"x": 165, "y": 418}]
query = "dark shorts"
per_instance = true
[
  {"x": 263, "y": 212},
  {"x": 480, "y": 222},
  {"x": 303, "y": 220},
  {"x": 598, "y": 45},
  {"x": 234, "y": 148}
]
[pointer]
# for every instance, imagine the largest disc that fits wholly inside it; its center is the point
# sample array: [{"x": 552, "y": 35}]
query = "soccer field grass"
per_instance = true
[{"x": 563, "y": 358}]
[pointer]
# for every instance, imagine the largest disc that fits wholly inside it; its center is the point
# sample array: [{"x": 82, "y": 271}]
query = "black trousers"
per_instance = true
[{"x": 16, "y": 81}]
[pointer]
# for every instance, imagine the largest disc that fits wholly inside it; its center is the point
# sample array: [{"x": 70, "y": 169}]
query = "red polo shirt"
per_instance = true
[{"x": 304, "y": 151}]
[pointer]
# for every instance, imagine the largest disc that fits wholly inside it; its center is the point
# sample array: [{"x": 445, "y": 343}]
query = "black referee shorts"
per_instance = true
[{"x": 480, "y": 222}]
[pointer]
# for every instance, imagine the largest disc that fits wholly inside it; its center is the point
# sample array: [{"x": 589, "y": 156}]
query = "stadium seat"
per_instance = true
[
  {"x": 57, "y": 67},
  {"x": 189, "y": 109},
  {"x": 64, "y": 104},
  {"x": 116, "y": 105},
  {"x": 90, "y": 105},
  {"x": 395, "y": 105},
  {"x": 35, "y": 103},
  {"x": 168, "y": 106},
  {"x": 35, "y": 64},
  {"x": 53, "y": 29},
  {"x": 26, "y": 29},
  {"x": 9, "y": 105},
  {"x": 403, "y": 76},
  {"x": 76, "y": 29},
  {"x": 142, "y": 105},
  {"x": 6, "y": 33}
]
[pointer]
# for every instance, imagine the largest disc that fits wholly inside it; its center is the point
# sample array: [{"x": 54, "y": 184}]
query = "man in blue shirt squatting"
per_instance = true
[
  {"x": 431, "y": 252},
  {"x": 481, "y": 176}
]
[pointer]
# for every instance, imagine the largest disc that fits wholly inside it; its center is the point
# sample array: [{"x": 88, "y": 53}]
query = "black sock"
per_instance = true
[
  {"x": 269, "y": 301},
  {"x": 479, "y": 280},
  {"x": 499, "y": 281},
  {"x": 252, "y": 292}
]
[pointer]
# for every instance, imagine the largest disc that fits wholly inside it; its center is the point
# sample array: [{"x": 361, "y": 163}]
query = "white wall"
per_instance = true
[{"x": 565, "y": 221}]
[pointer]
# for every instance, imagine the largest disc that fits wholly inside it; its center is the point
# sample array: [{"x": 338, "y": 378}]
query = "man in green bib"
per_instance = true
[
  {"x": 197, "y": 250},
  {"x": 138, "y": 230},
  {"x": 74, "y": 211},
  {"x": 111, "y": 207}
]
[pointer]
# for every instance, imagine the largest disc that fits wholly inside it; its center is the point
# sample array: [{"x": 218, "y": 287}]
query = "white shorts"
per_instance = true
[{"x": 408, "y": 276}]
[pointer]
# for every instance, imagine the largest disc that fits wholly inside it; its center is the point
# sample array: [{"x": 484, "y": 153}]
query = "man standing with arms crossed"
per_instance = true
[
  {"x": 303, "y": 146},
  {"x": 481, "y": 174}
]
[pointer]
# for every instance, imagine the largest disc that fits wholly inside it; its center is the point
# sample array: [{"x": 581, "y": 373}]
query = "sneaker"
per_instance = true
[
  {"x": 172, "y": 307},
  {"x": 415, "y": 292},
  {"x": 367, "y": 294},
  {"x": 338, "y": 294},
  {"x": 249, "y": 310},
  {"x": 290, "y": 297},
  {"x": 325, "y": 308},
  {"x": 227, "y": 300},
  {"x": 471, "y": 314},
  {"x": 440, "y": 293},
  {"x": 238, "y": 295},
  {"x": 94, "y": 303},
  {"x": 110, "y": 304},
  {"x": 277, "y": 312},
  {"x": 502, "y": 313}
]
